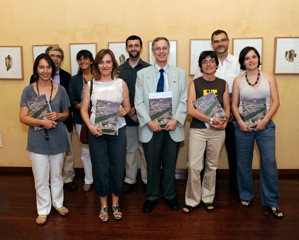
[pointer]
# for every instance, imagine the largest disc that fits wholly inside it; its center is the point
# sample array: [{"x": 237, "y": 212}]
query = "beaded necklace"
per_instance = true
[{"x": 257, "y": 79}]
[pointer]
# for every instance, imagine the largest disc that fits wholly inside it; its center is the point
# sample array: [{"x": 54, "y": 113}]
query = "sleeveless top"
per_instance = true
[
  {"x": 107, "y": 91},
  {"x": 262, "y": 92},
  {"x": 203, "y": 87}
]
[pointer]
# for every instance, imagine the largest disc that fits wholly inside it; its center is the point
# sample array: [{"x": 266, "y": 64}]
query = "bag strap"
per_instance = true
[{"x": 91, "y": 86}]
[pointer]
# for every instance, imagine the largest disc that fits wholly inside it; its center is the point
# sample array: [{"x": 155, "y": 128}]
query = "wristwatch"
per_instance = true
[{"x": 211, "y": 120}]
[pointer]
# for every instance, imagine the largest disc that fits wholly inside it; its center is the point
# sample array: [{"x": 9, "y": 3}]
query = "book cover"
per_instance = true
[
  {"x": 160, "y": 104},
  {"x": 254, "y": 110},
  {"x": 39, "y": 107},
  {"x": 210, "y": 106},
  {"x": 106, "y": 116}
]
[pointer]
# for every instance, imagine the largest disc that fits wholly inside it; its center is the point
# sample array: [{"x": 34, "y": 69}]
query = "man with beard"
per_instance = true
[
  {"x": 128, "y": 72},
  {"x": 228, "y": 69}
]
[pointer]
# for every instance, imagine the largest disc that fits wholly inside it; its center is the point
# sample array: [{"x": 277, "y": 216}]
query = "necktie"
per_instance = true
[{"x": 160, "y": 86}]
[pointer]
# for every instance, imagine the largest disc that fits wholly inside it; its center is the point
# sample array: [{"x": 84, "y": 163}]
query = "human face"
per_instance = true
[
  {"x": 84, "y": 63},
  {"x": 251, "y": 60},
  {"x": 161, "y": 52},
  {"x": 208, "y": 66},
  {"x": 133, "y": 48},
  {"x": 106, "y": 66},
  {"x": 44, "y": 70},
  {"x": 56, "y": 57},
  {"x": 220, "y": 44}
]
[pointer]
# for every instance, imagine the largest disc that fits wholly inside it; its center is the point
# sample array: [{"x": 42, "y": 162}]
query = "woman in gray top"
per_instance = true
[{"x": 47, "y": 139}]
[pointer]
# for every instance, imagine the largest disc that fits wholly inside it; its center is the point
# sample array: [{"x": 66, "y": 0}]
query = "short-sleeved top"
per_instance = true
[
  {"x": 129, "y": 75},
  {"x": 107, "y": 91},
  {"x": 58, "y": 141},
  {"x": 203, "y": 87}
]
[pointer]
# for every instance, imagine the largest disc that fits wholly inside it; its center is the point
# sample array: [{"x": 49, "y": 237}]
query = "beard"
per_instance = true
[{"x": 135, "y": 54}]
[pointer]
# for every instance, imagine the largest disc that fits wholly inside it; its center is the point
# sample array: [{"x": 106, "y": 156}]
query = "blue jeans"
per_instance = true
[{"x": 265, "y": 141}]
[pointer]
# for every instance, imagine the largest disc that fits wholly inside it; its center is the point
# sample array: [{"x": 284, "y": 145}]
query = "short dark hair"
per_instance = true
[
  {"x": 159, "y": 39},
  {"x": 217, "y": 32},
  {"x": 243, "y": 54},
  {"x": 55, "y": 48},
  {"x": 99, "y": 57},
  {"x": 86, "y": 54},
  {"x": 205, "y": 54},
  {"x": 48, "y": 60},
  {"x": 134, "y": 37}
]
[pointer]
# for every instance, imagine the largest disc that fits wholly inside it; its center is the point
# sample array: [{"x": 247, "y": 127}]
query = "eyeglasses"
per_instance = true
[
  {"x": 206, "y": 62},
  {"x": 223, "y": 40},
  {"x": 55, "y": 56},
  {"x": 133, "y": 46},
  {"x": 83, "y": 59},
  {"x": 158, "y": 49}
]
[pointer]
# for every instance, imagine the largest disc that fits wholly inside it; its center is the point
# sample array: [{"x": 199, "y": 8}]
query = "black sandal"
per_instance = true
[
  {"x": 276, "y": 212},
  {"x": 187, "y": 209},
  {"x": 245, "y": 203},
  {"x": 209, "y": 206}
]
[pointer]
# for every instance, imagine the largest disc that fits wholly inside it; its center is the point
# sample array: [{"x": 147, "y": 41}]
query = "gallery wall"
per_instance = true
[{"x": 40, "y": 22}]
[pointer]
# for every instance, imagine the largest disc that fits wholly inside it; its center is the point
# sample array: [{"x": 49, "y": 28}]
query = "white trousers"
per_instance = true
[
  {"x": 85, "y": 158},
  {"x": 201, "y": 140},
  {"x": 68, "y": 172},
  {"x": 47, "y": 172},
  {"x": 133, "y": 145}
]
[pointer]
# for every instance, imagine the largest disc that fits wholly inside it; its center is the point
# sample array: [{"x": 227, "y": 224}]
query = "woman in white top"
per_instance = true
[
  {"x": 107, "y": 152},
  {"x": 252, "y": 92}
]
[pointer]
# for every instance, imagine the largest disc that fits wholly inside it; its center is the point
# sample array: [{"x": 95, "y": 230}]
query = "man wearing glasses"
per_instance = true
[
  {"x": 161, "y": 144},
  {"x": 228, "y": 69},
  {"x": 128, "y": 72},
  {"x": 63, "y": 78}
]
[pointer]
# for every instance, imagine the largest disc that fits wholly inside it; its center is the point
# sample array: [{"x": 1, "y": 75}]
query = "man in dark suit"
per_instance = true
[
  {"x": 63, "y": 78},
  {"x": 161, "y": 145}
]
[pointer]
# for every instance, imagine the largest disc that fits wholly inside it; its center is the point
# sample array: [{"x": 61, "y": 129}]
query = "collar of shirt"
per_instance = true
[
  {"x": 56, "y": 78},
  {"x": 166, "y": 72}
]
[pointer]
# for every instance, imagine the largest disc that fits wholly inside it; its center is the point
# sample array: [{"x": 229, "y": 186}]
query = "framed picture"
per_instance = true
[
  {"x": 286, "y": 59},
  {"x": 38, "y": 49},
  {"x": 196, "y": 47},
  {"x": 119, "y": 50},
  {"x": 11, "y": 62},
  {"x": 172, "y": 59},
  {"x": 75, "y": 48},
  {"x": 240, "y": 43}
]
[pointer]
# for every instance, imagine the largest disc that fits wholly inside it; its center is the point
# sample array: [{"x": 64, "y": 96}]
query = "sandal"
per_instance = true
[
  {"x": 62, "y": 211},
  {"x": 276, "y": 212},
  {"x": 209, "y": 206},
  {"x": 187, "y": 208},
  {"x": 41, "y": 220},
  {"x": 117, "y": 214},
  {"x": 103, "y": 216},
  {"x": 245, "y": 203}
]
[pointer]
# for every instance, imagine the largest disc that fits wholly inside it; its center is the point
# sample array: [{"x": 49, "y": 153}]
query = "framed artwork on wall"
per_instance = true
[
  {"x": 39, "y": 49},
  {"x": 75, "y": 48},
  {"x": 286, "y": 59},
  {"x": 119, "y": 50},
  {"x": 240, "y": 43},
  {"x": 172, "y": 59},
  {"x": 11, "y": 62},
  {"x": 196, "y": 47}
]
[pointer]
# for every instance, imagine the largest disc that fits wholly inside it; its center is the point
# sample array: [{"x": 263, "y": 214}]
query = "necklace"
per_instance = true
[{"x": 257, "y": 79}]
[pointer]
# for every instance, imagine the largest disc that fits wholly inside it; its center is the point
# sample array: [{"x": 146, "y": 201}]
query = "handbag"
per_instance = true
[{"x": 84, "y": 129}]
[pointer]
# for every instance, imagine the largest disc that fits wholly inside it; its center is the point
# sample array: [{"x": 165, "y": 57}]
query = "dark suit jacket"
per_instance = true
[{"x": 65, "y": 78}]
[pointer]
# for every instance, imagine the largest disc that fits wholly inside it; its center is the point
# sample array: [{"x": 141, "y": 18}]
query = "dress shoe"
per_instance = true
[
  {"x": 148, "y": 206},
  {"x": 127, "y": 187},
  {"x": 71, "y": 186},
  {"x": 173, "y": 204}
]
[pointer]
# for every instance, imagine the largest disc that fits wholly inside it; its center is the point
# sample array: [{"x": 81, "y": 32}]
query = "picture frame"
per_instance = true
[
  {"x": 75, "y": 48},
  {"x": 239, "y": 43},
  {"x": 39, "y": 49},
  {"x": 119, "y": 50},
  {"x": 11, "y": 62},
  {"x": 172, "y": 59},
  {"x": 286, "y": 58},
  {"x": 196, "y": 47}
]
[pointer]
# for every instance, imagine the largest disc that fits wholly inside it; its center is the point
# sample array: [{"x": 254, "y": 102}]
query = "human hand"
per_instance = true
[
  {"x": 154, "y": 126},
  {"x": 171, "y": 125}
]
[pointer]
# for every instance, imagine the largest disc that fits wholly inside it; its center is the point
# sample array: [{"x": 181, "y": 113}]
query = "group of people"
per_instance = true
[{"x": 233, "y": 81}]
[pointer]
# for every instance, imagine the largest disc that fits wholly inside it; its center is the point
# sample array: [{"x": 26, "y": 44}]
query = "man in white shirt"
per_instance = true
[{"x": 228, "y": 69}]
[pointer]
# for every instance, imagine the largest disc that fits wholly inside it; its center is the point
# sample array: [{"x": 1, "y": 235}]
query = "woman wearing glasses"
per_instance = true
[{"x": 48, "y": 145}]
